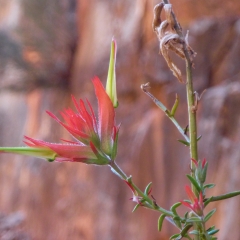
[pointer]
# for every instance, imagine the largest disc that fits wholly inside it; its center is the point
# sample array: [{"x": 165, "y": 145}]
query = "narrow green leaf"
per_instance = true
[
  {"x": 173, "y": 208},
  {"x": 210, "y": 185},
  {"x": 209, "y": 215},
  {"x": 160, "y": 222},
  {"x": 185, "y": 229},
  {"x": 194, "y": 183},
  {"x": 205, "y": 236},
  {"x": 177, "y": 221},
  {"x": 184, "y": 142},
  {"x": 194, "y": 232},
  {"x": 204, "y": 173},
  {"x": 225, "y": 196},
  {"x": 115, "y": 145},
  {"x": 186, "y": 215},
  {"x": 208, "y": 201},
  {"x": 175, "y": 236},
  {"x": 175, "y": 105},
  {"x": 213, "y": 231},
  {"x": 193, "y": 219},
  {"x": 199, "y": 137},
  {"x": 148, "y": 187},
  {"x": 211, "y": 228},
  {"x": 136, "y": 207},
  {"x": 188, "y": 237}
]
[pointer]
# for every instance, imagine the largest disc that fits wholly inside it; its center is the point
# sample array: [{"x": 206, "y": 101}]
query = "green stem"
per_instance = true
[
  {"x": 190, "y": 102},
  {"x": 191, "y": 112},
  {"x": 156, "y": 207},
  {"x": 192, "y": 120},
  {"x": 119, "y": 172}
]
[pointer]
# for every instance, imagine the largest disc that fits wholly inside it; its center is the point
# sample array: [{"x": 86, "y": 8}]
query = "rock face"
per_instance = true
[{"x": 50, "y": 49}]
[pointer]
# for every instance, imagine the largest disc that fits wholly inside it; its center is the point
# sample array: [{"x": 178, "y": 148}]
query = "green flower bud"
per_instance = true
[{"x": 111, "y": 79}]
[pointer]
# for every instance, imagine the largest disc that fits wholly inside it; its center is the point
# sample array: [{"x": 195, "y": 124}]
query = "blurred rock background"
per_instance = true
[{"x": 51, "y": 49}]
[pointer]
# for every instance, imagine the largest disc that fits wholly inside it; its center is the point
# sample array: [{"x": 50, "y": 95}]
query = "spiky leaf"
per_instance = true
[
  {"x": 194, "y": 183},
  {"x": 209, "y": 215},
  {"x": 160, "y": 222}
]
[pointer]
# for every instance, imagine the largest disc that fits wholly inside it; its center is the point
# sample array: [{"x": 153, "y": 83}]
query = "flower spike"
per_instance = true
[{"x": 95, "y": 141}]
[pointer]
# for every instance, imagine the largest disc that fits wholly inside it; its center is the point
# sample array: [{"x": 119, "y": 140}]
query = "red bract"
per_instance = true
[
  {"x": 196, "y": 204},
  {"x": 203, "y": 163},
  {"x": 76, "y": 152},
  {"x": 106, "y": 115},
  {"x": 96, "y": 141}
]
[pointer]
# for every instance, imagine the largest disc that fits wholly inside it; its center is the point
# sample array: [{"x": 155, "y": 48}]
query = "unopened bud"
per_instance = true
[{"x": 111, "y": 79}]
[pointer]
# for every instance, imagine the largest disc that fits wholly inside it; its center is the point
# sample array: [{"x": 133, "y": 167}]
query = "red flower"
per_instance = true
[
  {"x": 196, "y": 204},
  {"x": 95, "y": 141}
]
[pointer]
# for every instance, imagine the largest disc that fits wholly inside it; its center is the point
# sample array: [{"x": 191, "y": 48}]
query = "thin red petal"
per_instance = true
[
  {"x": 68, "y": 141},
  {"x": 133, "y": 190},
  {"x": 71, "y": 126},
  {"x": 201, "y": 199},
  {"x": 150, "y": 190},
  {"x": 87, "y": 117},
  {"x": 93, "y": 115},
  {"x": 204, "y": 162},
  {"x": 188, "y": 205},
  {"x": 105, "y": 117},
  {"x": 190, "y": 194},
  {"x": 94, "y": 149},
  {"x": 76, "y": 104},
  {"x": 195, "y": 162}
]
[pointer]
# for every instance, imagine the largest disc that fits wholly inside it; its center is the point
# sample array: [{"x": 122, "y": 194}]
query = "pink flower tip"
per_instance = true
[
  {"x": 204, "y": 162},
  {"x": 195, "y": 162}
]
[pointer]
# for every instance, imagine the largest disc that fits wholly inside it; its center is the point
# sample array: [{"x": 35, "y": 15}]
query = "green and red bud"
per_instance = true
[{"x": 201, "y": 170}]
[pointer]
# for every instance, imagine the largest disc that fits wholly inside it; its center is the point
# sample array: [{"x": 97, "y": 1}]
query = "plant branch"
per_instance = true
[
  {"x": 188, "y": 53},
  {"x": 167, "y": 112},
  {"x": 190, "y": 91},
  {"x": 222, "y": 197},
  {"x": 151, "y": 204}
]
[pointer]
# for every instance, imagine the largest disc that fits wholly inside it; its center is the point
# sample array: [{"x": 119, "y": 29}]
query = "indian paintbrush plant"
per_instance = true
[{"x": 95, "y": 138}]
